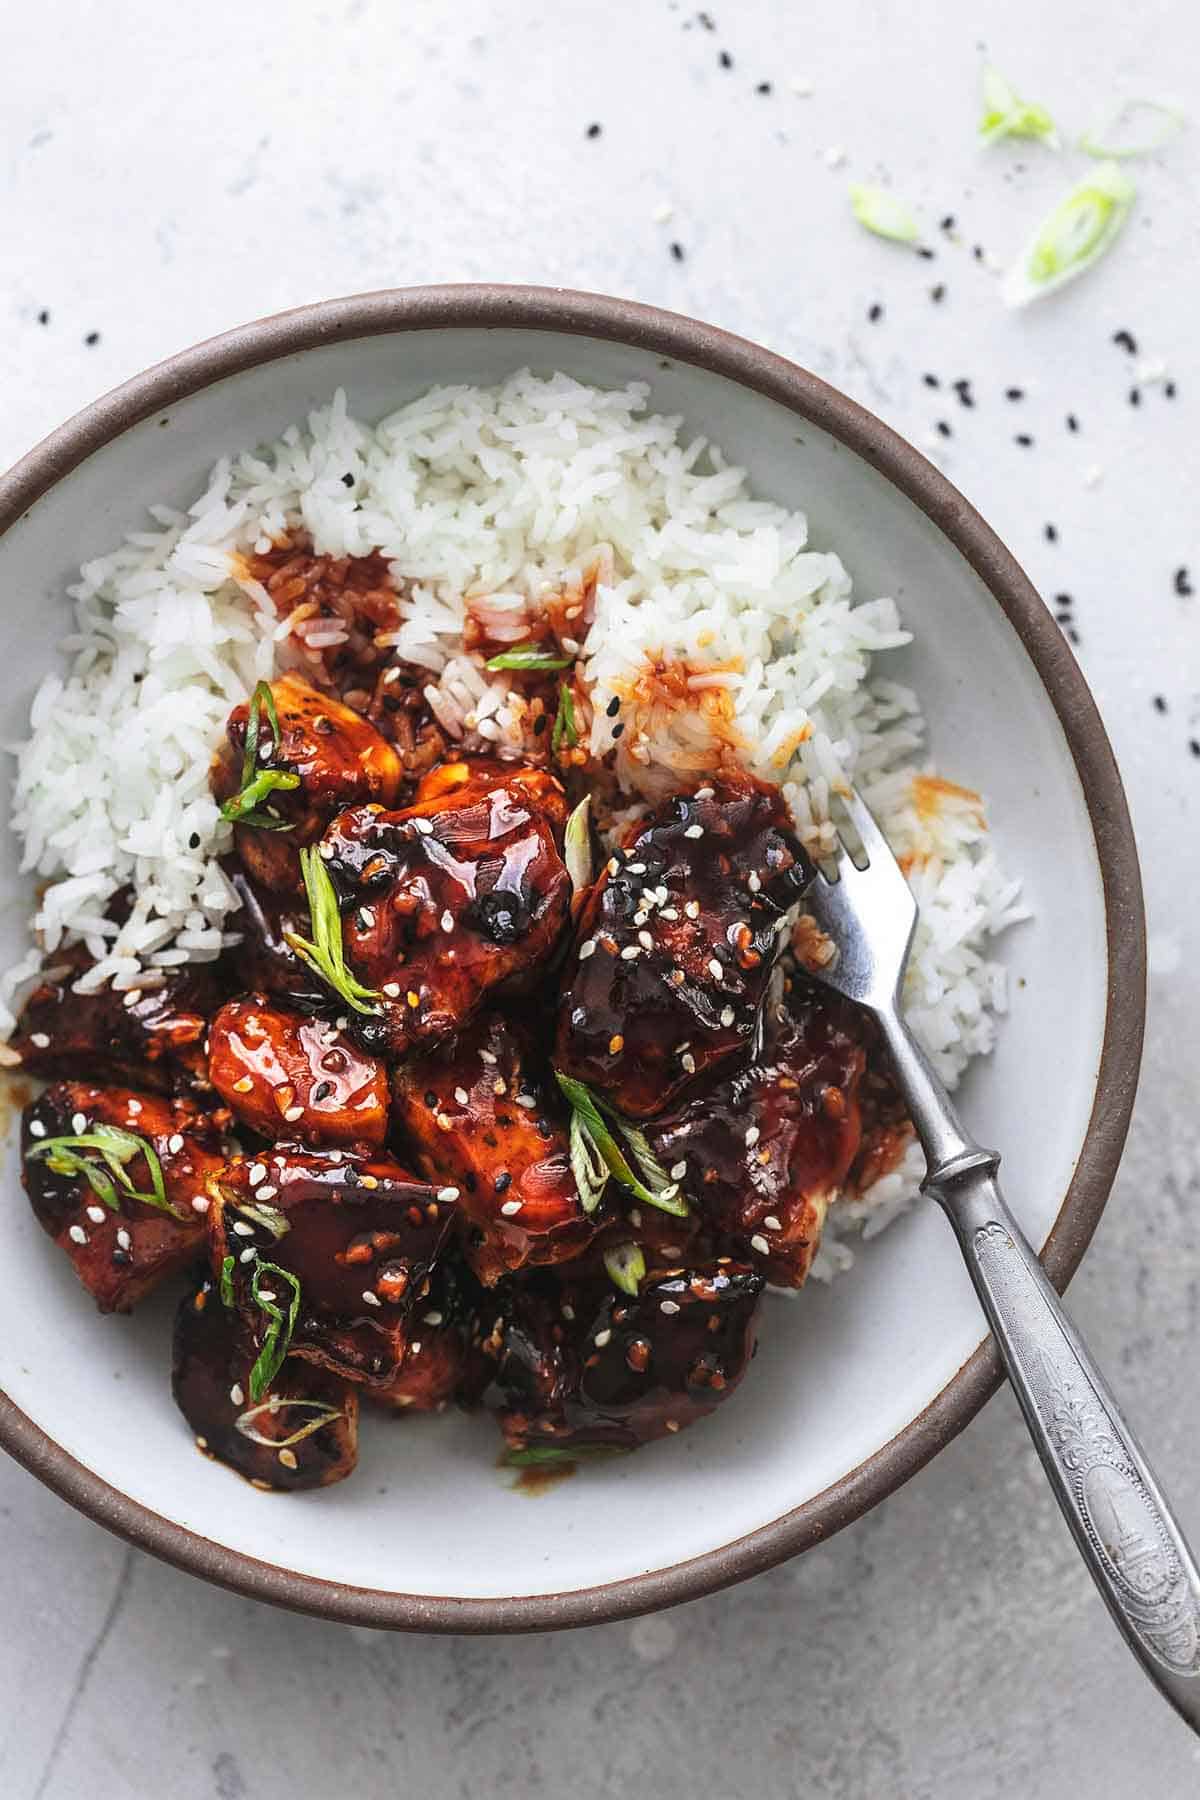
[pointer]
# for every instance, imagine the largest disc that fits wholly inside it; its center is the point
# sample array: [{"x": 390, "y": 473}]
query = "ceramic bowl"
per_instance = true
[{"x": 855, "y": 1386}]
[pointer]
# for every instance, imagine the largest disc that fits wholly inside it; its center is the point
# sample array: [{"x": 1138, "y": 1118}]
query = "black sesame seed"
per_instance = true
[
  {"x": 677, "y": 252},
  {"x": 1160, "y": 704},
  {"x": 1051, "y": 534},
  {"x": 1023, "y": 438},
  {"x": 617, "y": 730},
  {"x": 93, "y": 337},
  {"x": 1014, "y": 393},
  {"x": 44, "y": 317},
  {"x": 1063, "y": 600},
  {"x": 764, "y": 87},
  {"x": 707, "y": 21},
  {"x": 1194, "y": 746},
  {"x": 875, "y": 313},
  {"x": 925, "y": 251},
  {"x": 1126, "y": 341},
  {"x": 977, "y": 252},
  {"x": 948, "y": 222},
  {"x": 1072, "y": 635},
  {"x": 931, "y": 381},
  {"x": 963, "y": 389},
  {"x": 347, "y": 480},
  {"x": 539, "y": 725},
  {"x": 938, "y": 294},
  {"x": 725, "y": 60},
  {"x": 942, "y": 428},
  {"x": 194, "y": 841},
  {"x": 1169, "y": 390},
  {"x": 1072, "y": 422},
  {"x": 322, "y": 1091},
  {"x": 1135, "y": 396},
  {"x": 593, "y": 131},
  {"x": 613, "y": 707},
  {"x": 502, "y": 1181},
  {"x": 1183, "y": 583},
  {"x": 431, "y": 1099}
]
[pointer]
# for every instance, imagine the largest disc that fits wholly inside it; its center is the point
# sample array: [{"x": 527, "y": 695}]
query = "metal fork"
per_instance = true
[{"x": 1124, "y": 1529}]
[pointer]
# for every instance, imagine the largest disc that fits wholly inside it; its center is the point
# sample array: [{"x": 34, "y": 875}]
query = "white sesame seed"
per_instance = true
[
  {"x": 640, "y": 917},
  {"x": 175, "y": 1143},
  {"x": 78, "y": 1123},
  {"x": 242, "y": 1229},
  {"x": 692, "y": 909},
  {"x": 343, "y": 1019},
  {"x": 462, "y": 1096},
  {"x": 447, "y": 920},
  {"x": 257, "y": 1171},
  {"x": 488, "y": 1057},
  {"x": 635, "y": 1218},
  {"x": 335, "y": 1156},
  {"x": 77, "y": 1235},
  {"x": 771, "y": 1223},
  {"x": 645, "y": 940},
  {"x": 570, "y": 645},
  {"x": 759, "y": 1243},
  {"x": 727, "y": 1015},
  {"x": 694, "y": 831},
  {"x": 200, "y": 1203},
  {"x": 527, "y": 1101},
  {"x": 392, "y": 989},
  {"x": 715, "y": 969},
  {"x": 294, "y": 1113},
  {"x": 631, "y": 952},
  {"x": 705, "y": 793},
  {"x": 668, "y": 912},
  {"x": 236, "y": 1394},
  {"x": 266, "y": 1193},
  {"x": 96, "y": 1214},
  {"x": 366, "y": 917},
  {"x": 370, "y": 1298},
  {"x": 688, "y": 1062},
  {"x": 132, "y": 997},
  {"x": 754, "y": 884},
  {"x": 614, "y": 868},
  {"x": 499, "y": 1086},
  {"x": 638, "y": 868},
  {"x": 587, "y": 949},
  {"x": 447, "y": 1194},
  {"x": 678, "y": 1171},
  {"x": 669, "y": 1192},
  {"x": 39, "y": 1040},
  {"x": 267, "y": 1294},
  {"x": 36, "y": 1128},
  {"x": 135, "y": 1107},
  {"x": 601, "y": 1338},
  {"x": 423, "y": 827},
  {"x": 243, "y": 1085},
  {"x": 248, "y": 1255},
  {"x": 124, "y": 1240},
  {"x": 431, "y": 1318},
  {"x": 415, "y": 1349},
  {"x": 327, "y": 852},
  {"x": 752, "y": 1137},
  {"x": 511, "y": 1208},
  {"x": 288, "y": 1458},
  {"x": 568, "y": 1312},
  {"x": 669, "y": 1306}
]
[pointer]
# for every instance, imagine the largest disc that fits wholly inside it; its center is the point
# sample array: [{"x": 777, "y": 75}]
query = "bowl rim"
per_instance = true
[{"x": 685, "y": 340}]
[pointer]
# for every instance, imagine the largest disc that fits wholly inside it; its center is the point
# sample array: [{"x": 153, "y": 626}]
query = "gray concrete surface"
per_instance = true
[{"x": 167, "y": 173}]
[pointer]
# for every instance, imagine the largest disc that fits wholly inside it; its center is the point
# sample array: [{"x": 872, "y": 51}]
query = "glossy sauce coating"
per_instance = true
[
  {"x": 482, "y": 1118},
  {"x": 580, "y": 1366},
  {"x": 766, "y": 1146},
  {"x": 120, "y": 1255},
  {"x": 360, "y": 1236},
  {"x": 444, "y": 901},
  {"x": 438, "y": 1345},
  {"x": 286, "y": 1075},
  {"x": 675, "y": 945},
  {"x": 271, "y": 1441},
  {"x": 264, "y": 961}
]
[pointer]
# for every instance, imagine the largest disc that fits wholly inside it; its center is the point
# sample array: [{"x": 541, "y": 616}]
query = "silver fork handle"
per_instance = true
[{"x": 1125, "y": 1531}]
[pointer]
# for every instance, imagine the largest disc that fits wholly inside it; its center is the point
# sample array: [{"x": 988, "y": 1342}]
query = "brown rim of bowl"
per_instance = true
[{"x": 684, "y": 340}]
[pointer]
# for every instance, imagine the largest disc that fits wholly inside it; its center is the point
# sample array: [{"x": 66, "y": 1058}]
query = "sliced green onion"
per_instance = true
[
  {"x": 1082, "y": 227},
  {"x": 242, "y": 807},
  {"x": 587, "y": 1165},
  {"x": 325, "y": 953},
  {"x": 533, "y": 1454},
  {"x": 268, "y": 1218},
  {"x": 1005, "y": 114},
  {"x": 116, "y": 1148},
  {"x": 324, "y": 1415},
  {"x": 227, "y": 1283},
  {"x": 881, "y": 212},
  {"x": 279, "y": 1330},
  {"x": 528, "y": 656},
  {"x": 626, "y": 1267},
  {"x": 564, "y": 721},
  {"x": 656, "y": 1189},
  {"x": 1171, "y": 121},
  {"x": 577, "y": 846}
]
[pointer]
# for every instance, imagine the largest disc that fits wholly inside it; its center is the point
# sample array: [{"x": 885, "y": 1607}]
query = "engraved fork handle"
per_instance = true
[{"x": 1125, "y": 1531}]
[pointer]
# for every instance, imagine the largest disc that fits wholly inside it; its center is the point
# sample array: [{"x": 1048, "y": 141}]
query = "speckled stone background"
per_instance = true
[{"x": 168, "y": 172}]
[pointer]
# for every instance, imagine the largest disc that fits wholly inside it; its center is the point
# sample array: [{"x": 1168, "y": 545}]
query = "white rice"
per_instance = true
[{"x": 490, "y": 498}]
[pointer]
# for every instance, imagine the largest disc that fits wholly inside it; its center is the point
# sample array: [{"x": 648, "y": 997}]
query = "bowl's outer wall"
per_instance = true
[{"x": 854, "y": 1388}]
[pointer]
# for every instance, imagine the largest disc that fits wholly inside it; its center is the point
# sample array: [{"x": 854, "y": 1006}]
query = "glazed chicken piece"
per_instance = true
[
  {"x": 348, "y": 1240},
  {"x": 147, "y": 1037},
  {"x": 285, "y": 1075},
  {"x": 443, "y": 902},
  {"x": 764, "y": 1150},
  {"x": 338, "y": 756},
  {"x": 264, "y": 961},
  {"x": 675, "y": 945},
  {"x": 126, "y": 1223},
  {"x": 481, "y": 1118},
  {"x": 438, "y": 1350},
  {"x": 302, "y": 1432},
  {"x": 583, "y": 1365}
]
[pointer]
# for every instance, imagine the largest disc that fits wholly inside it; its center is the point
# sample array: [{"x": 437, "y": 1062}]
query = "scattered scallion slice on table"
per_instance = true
[
  {"x": 1005, "y": 114},
  {"x": 881, "y": 212},
  {"x": 109, "y": 1178},
  {"x": 1081, "y": 229},
  {"x": 652, "y": 1184},
  {"x": 528, "y": 656},
  {"x": 278, "y": 1335},
  {"x": 243, "y": 808},
  {"x": 325, "y": 952},
  {"x": 1168, "y": 122},
  {"x": 626, "y": 1267}
]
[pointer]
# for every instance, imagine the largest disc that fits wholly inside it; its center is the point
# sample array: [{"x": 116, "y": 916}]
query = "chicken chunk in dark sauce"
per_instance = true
[
  {"x": 446, "y": 900},
  {"x": 120, "y": 1181},
  {"x": 301, "y": 1432},
  {"x": 281, "y": 1073},
  {"x": 483, "y": 1117},
  {"x": 580, "y": 1366},
  {"x": 675, "y": 945},
  {"x": 440, "y": 1360}
]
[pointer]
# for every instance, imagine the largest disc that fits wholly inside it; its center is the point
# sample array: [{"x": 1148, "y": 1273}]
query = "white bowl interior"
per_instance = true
[{"x": 840, "y": 1371}]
